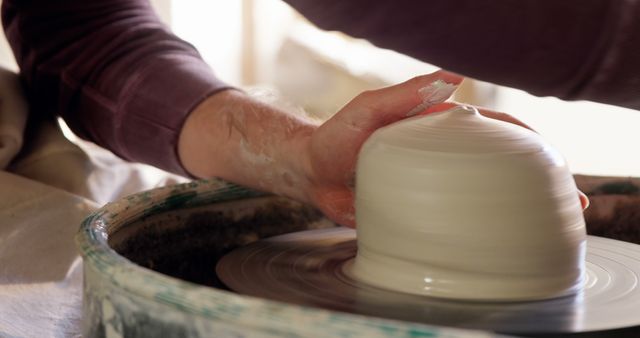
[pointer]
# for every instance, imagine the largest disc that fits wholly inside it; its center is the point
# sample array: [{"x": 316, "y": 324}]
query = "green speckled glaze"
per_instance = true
[{"x": 122, "y": 299}]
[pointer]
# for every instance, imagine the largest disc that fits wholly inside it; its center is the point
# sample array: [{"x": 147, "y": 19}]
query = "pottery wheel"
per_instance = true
[{"x": 307, "y": 268}]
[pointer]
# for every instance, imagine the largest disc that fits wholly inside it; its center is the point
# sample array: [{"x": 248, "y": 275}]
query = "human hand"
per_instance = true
[{"x": 331, "y": 151}]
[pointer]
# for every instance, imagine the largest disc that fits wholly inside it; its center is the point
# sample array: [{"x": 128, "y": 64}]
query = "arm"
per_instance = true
[
  {"x": 110, "y": 68},
  {"x": 241, "y": 140},
  {"x": 123, "y": 81},
  {"x": 571, "y": 49},
  {"x": 269, "y": 149}
]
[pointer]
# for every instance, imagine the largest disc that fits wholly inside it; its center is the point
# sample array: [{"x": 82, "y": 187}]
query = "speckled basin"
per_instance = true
[{"x": 149, "y": 262}]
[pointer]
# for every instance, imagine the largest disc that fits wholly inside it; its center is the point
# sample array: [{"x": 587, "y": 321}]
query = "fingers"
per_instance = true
[
  {"x": 504, "y": 117},
  {"x": 584, "y": 200},
  {"x": 376, "y": 108},
  {"x": 337, "y": 205}
]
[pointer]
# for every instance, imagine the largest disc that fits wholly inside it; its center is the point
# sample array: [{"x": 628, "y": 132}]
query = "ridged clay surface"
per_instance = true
[{"x": 457, "y": 205}]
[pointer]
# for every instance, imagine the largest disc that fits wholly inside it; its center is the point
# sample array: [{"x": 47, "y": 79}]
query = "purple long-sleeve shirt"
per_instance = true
[{"x": 122, "y": 80}]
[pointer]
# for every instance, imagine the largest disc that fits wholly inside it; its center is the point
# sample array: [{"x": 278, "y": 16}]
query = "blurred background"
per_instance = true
[{"x": 266, "y": 44}]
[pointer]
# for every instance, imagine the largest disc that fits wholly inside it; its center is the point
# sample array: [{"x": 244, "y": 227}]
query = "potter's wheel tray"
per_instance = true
[{"x": 307, "y": 268}]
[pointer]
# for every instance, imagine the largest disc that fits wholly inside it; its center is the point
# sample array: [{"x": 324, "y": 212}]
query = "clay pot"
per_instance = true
[{"x": 457, "y": 205}]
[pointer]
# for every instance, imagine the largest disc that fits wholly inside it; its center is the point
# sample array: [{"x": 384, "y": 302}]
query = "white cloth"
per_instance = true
[
  {"x": 53, "y": 185},
  {"x": 40, "y": 271}
]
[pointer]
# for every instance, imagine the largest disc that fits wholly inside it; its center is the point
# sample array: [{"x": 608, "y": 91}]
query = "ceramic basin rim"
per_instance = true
[{"x": 92, "y": 242}]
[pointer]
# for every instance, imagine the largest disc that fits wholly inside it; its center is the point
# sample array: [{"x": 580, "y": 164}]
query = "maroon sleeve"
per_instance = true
[
  {"x": 572, "y": 49},
  {"x": 111, "y": 70}
]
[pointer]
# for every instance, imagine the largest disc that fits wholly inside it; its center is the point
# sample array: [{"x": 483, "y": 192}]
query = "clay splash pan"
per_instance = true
[{"x": 149, "y": 269}]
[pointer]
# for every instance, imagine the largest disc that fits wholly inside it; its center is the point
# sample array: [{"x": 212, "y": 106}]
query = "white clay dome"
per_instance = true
[{"x": 457, "y": 205}]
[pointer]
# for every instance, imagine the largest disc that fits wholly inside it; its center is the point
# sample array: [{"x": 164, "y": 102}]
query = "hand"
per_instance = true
[{"x": 331, "y": 151}]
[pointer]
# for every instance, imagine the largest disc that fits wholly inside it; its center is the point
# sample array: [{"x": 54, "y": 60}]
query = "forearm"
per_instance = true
[
  {"x": 571, "y": 49},
  {"x": 241, "y": 139}
]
